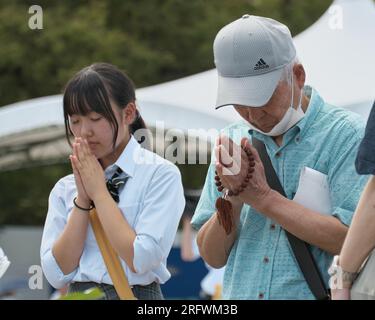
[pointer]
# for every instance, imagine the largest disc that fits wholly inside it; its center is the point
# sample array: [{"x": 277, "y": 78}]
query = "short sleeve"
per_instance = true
[
  {"x": 206, "y": 205},
  {"x": 365, "y": 161},
  {"x": 158, "y": 221}
]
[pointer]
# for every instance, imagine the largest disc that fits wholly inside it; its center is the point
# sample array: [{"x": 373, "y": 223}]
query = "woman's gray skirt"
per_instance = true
[{"x": 148, "y": 292}]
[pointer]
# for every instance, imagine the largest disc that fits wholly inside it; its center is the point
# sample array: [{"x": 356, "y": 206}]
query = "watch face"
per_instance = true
[{"x": 340, "y": 279}]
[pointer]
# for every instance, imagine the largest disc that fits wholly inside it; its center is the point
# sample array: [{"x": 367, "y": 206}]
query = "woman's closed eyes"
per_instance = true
[{"x": 76, "y": 120}]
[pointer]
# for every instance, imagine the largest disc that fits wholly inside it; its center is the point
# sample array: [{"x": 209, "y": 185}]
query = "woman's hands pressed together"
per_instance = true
[
  {"x": 88, "y": 172},
  {"x": 89, "y": 178},
  {"x": 91, "y": 184}
]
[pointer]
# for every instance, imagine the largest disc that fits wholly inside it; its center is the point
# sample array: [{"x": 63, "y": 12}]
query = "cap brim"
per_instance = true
[{"x": 254, "y": 91}]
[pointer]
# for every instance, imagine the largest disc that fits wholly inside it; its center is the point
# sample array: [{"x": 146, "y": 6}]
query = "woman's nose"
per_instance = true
[{"x": 86, "y": 130}]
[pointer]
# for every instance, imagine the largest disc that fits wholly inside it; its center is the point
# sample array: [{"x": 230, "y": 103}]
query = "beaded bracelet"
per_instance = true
[{"x": 223, "y": 205}]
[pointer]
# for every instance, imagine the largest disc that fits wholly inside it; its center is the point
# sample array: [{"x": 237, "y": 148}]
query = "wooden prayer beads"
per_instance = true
[{"x": 224, "y": 206}]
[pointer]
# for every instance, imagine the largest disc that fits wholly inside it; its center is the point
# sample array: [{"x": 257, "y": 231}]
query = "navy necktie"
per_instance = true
[{"x": 115, "y": 183}]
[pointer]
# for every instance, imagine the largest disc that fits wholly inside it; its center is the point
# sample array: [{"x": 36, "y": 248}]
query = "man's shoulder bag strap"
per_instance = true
[{"x": 300, "y": 248}]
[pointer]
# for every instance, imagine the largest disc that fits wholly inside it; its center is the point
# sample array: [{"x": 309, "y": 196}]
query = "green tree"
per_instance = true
[{"x": 154, "y": 41}]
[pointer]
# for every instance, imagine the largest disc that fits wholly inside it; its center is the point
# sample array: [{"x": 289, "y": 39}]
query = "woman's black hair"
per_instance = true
[{"x": 92, "y": 89}]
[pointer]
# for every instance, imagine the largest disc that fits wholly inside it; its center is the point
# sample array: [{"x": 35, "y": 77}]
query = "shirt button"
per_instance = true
[
  {"x": 266, "y": 260},
  {"x": 278, "y": 154},
  {"x": 297, "y": 139},
  {"x": 273, "y": 227},
  {"x": 261, "y": 296}
]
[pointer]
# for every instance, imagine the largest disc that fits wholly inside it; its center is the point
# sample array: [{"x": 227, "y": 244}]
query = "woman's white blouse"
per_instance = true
[{"x": 152, "y": 202}]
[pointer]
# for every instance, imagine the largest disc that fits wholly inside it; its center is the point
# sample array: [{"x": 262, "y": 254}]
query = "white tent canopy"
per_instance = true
[{"x": 337, "y": 51}]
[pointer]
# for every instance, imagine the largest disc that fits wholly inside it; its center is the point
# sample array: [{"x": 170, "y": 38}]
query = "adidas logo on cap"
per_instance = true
[{"x": 261, "y": 65}]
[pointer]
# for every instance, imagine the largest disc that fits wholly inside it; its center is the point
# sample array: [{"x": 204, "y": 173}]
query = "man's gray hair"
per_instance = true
[{"x": 288, "y": 70}]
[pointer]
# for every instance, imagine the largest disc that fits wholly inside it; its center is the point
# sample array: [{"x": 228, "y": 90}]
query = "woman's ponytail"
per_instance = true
[{"x": 137, "y": 124}]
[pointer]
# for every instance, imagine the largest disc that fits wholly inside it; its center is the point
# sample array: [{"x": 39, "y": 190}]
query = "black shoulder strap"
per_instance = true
[{"x": 300, "y": 248}]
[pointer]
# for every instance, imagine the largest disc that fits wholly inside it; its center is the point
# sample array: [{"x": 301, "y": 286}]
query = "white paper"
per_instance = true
[
  {"x": 4, "y": 263},
  {"x": 313, "y": 191}
]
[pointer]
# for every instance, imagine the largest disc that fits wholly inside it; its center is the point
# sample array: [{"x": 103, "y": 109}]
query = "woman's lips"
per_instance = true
[{"x": 93, "y": 144}]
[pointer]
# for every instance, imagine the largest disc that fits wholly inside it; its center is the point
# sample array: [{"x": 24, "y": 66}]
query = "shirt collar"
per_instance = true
[
  {"x": 315, "y": 104},
  {"x": 127, "y": 159}
]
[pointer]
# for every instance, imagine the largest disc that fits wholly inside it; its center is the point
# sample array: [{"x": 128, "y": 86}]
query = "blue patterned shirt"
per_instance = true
[{"x": 261, "y": 264}]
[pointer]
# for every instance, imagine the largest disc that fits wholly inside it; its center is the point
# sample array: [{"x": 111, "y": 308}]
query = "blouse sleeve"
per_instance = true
[
  {"x": 54, "y": 225},
  {"x": 158, "y": 221}
]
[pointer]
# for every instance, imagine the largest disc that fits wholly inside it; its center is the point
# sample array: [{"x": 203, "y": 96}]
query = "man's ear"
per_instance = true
[
  {"x": 300, "y": 74},
  {"x": 130, "y": 112}
]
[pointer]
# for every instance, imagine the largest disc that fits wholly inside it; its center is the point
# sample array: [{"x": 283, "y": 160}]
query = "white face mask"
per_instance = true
[{"x": 291, "y": 117}]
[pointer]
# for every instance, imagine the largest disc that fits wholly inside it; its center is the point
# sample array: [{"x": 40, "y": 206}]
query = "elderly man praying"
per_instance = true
[{"x": 261, "y": 78}]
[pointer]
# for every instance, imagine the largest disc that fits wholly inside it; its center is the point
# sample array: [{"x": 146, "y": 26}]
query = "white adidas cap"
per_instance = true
[{"x": 250, "y": 54}]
